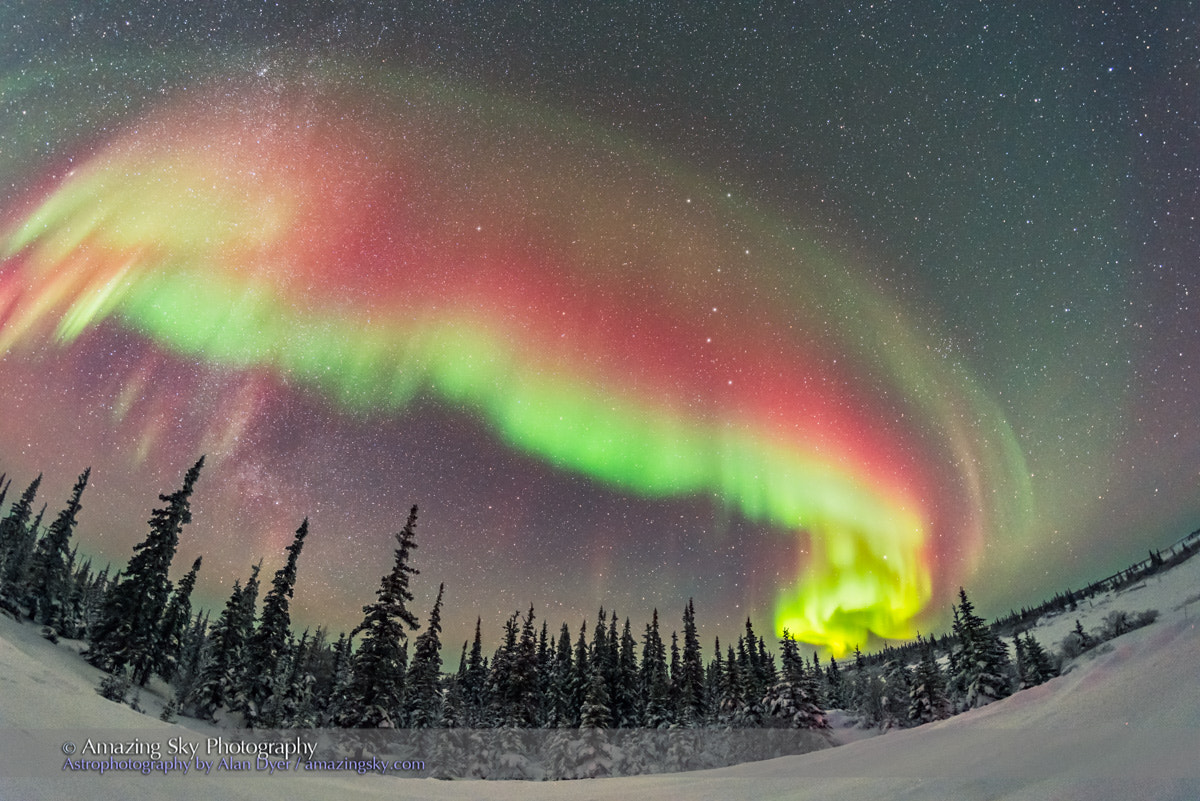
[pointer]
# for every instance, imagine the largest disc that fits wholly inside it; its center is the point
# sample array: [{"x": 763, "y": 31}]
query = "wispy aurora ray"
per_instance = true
[{"x": 594, "y": 305}]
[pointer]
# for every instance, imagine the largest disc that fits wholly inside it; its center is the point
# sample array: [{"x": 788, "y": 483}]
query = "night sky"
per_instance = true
[{"x": 811, "y": 312}]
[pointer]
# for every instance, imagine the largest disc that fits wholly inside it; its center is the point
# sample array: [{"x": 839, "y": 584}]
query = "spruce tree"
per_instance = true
[
  {"x": 1039, "y": 667},
  {"x": 731, "y": 691},
  {"x": 595, "y": 712},
  {"x": 454, "y": 707},
  {"x": 221, "y": 674},
  {"x": 85, "y": 602},
  {"x": 792, "y": 701},
  {"x": 836, "y": 691},
  {"x": 294, "y": 704},
  {"x": 896, "y": 689},
  {"x": 750, "y": 713},
  {"x": 522, "y": 681},
  {"x": 927, "y": 697},
  {"x": 561, "y": 713},
  {"x": 376, "y": 695},
  {"x": 191, "y": 659},
  {"x": 1019, "y": 647},
  {"x": 17, "y": 537},
  {"x": 475, "y": 681},
  {"x": 691, "y": 684},
  {"x": 982, "y": 661},
  {"x": 655, "y": 683},
  {"x": 268, "y": 646},
  {"x": 599, "y": 652},
  {"x": 612, "y": 668},
  {"x": 627, "y": 708},
  {"x": 545, "y": 669},
  {"x": 867, "y": 692},
  {"x": 676, "y": 669},
  {"x": 582, "y": 678},
  {"x": 504, "y": 707},
  {"x": 424, "y": 690},
  {"x": 335, "y": 705},
  {"x": 714, "y": 679},
  {"x": 49, "y": 578},
  {"x": 128, "y": 632},
  {"x": 174, "y": 628}
]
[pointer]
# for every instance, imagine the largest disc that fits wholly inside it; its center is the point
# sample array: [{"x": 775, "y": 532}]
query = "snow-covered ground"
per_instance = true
[{"x": 1122, "y": 723}]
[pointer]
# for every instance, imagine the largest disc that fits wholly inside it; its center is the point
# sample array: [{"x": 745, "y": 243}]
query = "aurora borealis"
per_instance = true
[{"x": 617, "y": 358}]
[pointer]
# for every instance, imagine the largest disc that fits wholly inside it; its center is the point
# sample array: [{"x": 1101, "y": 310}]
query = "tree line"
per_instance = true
[{"x": 248, "y": 666}]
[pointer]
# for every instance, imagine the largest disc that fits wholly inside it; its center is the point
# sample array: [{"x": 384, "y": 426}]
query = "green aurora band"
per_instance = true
[{"x": 415, "y": 239}]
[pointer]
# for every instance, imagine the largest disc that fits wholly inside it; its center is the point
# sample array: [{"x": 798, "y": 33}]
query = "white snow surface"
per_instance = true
[{"x": 1122, "y": 723}]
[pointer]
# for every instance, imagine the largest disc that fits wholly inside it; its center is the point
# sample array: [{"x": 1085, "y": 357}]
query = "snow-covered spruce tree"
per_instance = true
[
  {"x": 596, "y": 712},
  {"x": 927, "y": 698},
  {"x": 601, "y": 660},
  {"x": 791, "y": 702},
  {"x": 454, "y": 703},
  {"x": 559, "y": 712},
  {"x": 267, "y": 647},
  {"x": 220, "y": 675},
  {"x": 982, "y": 661},
  {"x": 675, "y": 670},
  {"x": 544, "y": 660},
  {"x": 523, "y": 679},
  {"x": 612, "y": 667},
  {"x": 895, "y": 698},
  {"x": 836, "y": 691},
  {"x": 475, "y": 682},
  {"x": 376, "y": 695},
  {"x": 1038, "y": 666},
  {"x": 128, "y": 631},
  {"x": 173, "y": 630},
  {"x": 291, "y": 706},
  {"x": 761, "y": 665},
  {"x": 627, "y": 706},
  {"x": 655, "y": 684},
  {"x": 691, "y": 684},
  {"x": 750, "y": 714},
  {"x": 424, "y": 685},
  {"x": 17, "y": 537},
  {"x": 731, "y": 691},
  {"x": 512, "y": 675},
  {"x": 48, "y": 581},
  {"x": 582, "y": 674},
  {"x": 767, "y": 670},
  {"x": 16, "y": 570},
  {"x": 335, "y": 704},
  {"x": 85, "y": 602},
  {"x": 1019, "y": 666},
  {"x": 504, "y": 710},
  {"x": 714, "y": 679},
  {"x": 866, "y": 693},
  {"x": 191, "y": 659}
]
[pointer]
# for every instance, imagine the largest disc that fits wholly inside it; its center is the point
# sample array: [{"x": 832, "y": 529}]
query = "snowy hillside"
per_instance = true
[{"x": 1122, "y": 723}]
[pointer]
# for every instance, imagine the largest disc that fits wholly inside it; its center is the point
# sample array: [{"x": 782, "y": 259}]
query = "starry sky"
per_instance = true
[{"x": 811, "y": 312}]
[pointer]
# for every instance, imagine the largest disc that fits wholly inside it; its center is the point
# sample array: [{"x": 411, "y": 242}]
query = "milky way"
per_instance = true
[{"x": 606, "y": 377}]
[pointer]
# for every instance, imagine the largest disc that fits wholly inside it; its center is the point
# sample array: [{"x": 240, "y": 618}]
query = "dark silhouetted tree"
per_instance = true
[
  {"x": 174, "y": 627},
  {"x": 424, "y": 688},
  {"x": 17, "y": 537},
  {"x": 927, "y": 698},
  {"x": 376, "y": 695},
  {"x": 221, "y": 673},
  {"x": 128, "y": 632},
  {"x": 267, "y": 648},
  {"x": 49, "y": 579}
]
